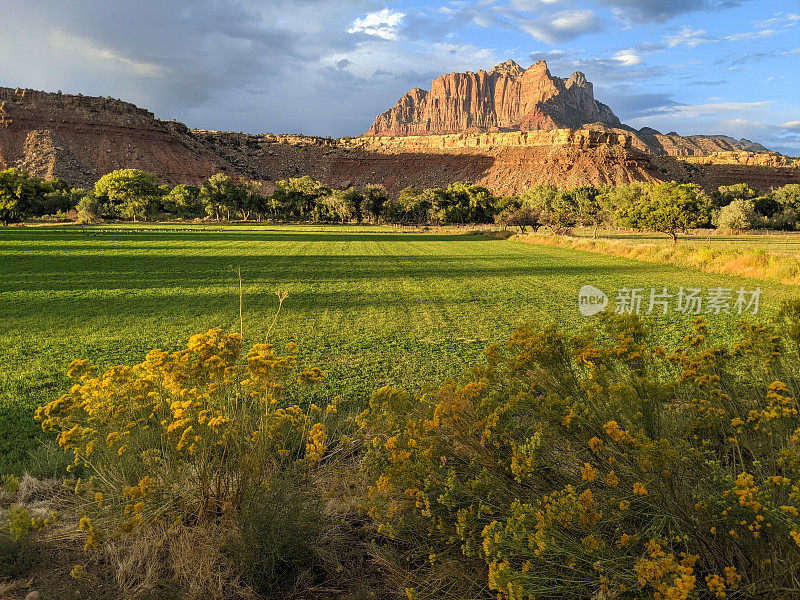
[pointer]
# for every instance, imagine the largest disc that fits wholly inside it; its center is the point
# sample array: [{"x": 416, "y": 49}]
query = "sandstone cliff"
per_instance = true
[
  {"x": 510, "y": 98},
  {"x": 506, "y": 98}
]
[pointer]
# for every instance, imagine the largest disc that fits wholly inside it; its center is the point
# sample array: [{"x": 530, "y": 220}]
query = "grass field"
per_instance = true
[{"x": 368, "y": 305}]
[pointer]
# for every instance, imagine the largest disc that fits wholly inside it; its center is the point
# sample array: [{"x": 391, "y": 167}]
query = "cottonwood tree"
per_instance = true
[
  {"x": 739, "y": 215},
  {"x": 415, "y": 205},
  {"x": 590, "y": 206},
  {"x": 220, "y": 194},
  {"x": 725, "y": 194},
  {"x": 128, "y": 193},
  {"x": 23, "y": 195},
  {"x": 297, "y": 196},
  {"x": 513, "y": 211},
  {"x": 374, "y": 199},
  {"x": 184, "y": 201}
]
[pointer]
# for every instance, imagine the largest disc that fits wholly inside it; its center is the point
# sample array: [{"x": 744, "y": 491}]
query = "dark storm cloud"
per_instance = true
[
  {"x": 659, "y": 11},
  {"x": 207, "y": 62}
]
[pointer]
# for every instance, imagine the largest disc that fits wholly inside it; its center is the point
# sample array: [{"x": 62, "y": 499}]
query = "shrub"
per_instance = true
[
  {"x": 9, "y": 484},
  {"x": 596, "y": 466},
  {"x": 281, "y": 524},
  {"x": 89, "y": 210},
  {"x": 175, "y": 442},
  {"x": 739, "y": 214},
  {"x": 17, "y": 557}
]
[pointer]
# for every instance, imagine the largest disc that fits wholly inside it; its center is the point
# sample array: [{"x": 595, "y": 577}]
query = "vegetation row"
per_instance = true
[{"x": 668, "y": 207}]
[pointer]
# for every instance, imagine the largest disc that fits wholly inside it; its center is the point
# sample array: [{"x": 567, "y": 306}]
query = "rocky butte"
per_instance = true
[
  {"x": 507, "y": 98},
  {"x": 510, "y": 98}
]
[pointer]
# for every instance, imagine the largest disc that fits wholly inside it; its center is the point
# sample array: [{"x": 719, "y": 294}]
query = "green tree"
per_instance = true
[
  {"x": 221, "y": 195},
  {"x": 544, "y": 200},
  {"x": 512, "y": 211},
  {"x": 416, "y": 205},
  {"x": 437, "y": 200},
  {"x": 739, "y": 215},
  {"x": 253, "y": 201},
  {"x": 374, "y": 198},
  {"x": 89, "y": 211},
  {"x": 18, "y": 191},
  {"x": 297, "y": 196},
  {"x": 725, "y": 194},
  {"x": 128, "y": 193},
  {"x": 53, "y": 196},
  {"x": 335, "y": 207},
  {"x": 670, "y": 208},
  {"x": 589, "y": 206},
  {"x": 184, "y": 201},
  {"x": 788, "y": 196},
  {"x": 466, "y": 202},
  {"x": 355, "y": 202}
]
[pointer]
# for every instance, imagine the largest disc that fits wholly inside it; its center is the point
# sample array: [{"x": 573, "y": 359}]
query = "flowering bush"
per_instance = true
[
  {"x": 598, "y": 466},
  {"x": 180, "y": 439}
]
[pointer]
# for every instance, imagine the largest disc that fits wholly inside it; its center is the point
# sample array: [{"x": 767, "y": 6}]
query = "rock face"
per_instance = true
[
  {"x": 80, "y": 138},
  {"x": 578, "y": 138},
  {"x": 507, "y": 98},
  {"x": 510, "y": 98}
]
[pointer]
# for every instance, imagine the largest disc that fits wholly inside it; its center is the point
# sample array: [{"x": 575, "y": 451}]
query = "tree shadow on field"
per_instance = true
[
  {"x": 76, "y": 241},
  {"x": 151, "y": 272}
]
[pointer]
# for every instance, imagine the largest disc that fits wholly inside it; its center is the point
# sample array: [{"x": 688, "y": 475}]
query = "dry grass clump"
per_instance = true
[{"x": 745, "y": 263}]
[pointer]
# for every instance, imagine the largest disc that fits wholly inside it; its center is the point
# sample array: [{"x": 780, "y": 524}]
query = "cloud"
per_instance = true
[
  {"x": 660, "y": 11},
  {"x": 561, "y": 26},
  {"x": 608, "y": 73},
  {"x": 382, "y": 24},
  {"x": 751, "y": 35},
  {"x": 775, "y": 137},
  {"x": 628, "y": 57},
  {"x": 690, "y": 37},
  {"x": 708, "y": 83},
  {"x": 105, "y": 59},
  {"x": 632, "y": 106},
  {"x": 737, "y": 60},
  {"x": 327, "y": 67},
  {"x": 779, "y": 20},
  {"x": 690, "y": 111}
]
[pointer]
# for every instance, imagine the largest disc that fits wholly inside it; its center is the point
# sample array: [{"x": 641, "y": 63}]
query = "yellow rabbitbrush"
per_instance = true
[
  {"x": 179, "y": 437},
  {"x": 598, "y": 466}
]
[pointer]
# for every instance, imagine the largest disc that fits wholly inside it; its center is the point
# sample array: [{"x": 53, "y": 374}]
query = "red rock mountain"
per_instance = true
[{"x": 507, "y": 98}]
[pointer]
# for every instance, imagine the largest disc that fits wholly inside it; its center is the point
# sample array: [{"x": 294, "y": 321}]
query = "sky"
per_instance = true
[{"x": 327, "y": 67}]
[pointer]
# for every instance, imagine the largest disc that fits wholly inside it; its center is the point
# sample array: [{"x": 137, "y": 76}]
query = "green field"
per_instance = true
[{"x": 369, "y": 305}]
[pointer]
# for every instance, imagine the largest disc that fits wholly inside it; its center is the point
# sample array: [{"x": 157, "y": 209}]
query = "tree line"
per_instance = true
[{"x": 131, "y": 194}]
